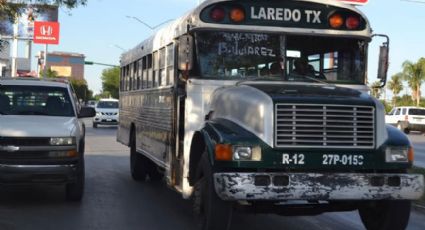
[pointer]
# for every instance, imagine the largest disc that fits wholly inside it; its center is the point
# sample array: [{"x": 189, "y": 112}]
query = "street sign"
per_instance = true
[
  {"x": 355, "y": 2},
  {"x": 46, "y": 32}
]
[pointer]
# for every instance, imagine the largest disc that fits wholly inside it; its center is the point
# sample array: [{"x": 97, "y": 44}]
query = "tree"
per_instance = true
[
  {"x": 49, "y": 73},
  {"x": 375, "y": 89},
  {"x": 396, "y": 86},
  {"x": 414, "y": 74},
  {"x": 111, "y": 81},
  {"x": 81, "y": 89}
]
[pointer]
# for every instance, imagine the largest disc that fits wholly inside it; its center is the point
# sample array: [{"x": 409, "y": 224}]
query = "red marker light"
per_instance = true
[
  {"x": 217, "y": 14},
  {"x": 352, "y": 22},
  {"x": 336, "y": 21}
]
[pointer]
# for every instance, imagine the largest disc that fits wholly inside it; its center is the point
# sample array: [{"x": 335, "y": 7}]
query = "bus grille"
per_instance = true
[{"x": 324, "y": 126}]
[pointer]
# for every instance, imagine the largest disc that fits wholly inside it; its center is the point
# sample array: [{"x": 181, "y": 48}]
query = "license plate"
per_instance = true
[
  {"x": 108, "y": 119},
  {"x": 344, "y": 159},
  {"x": 326, "y": 159}
]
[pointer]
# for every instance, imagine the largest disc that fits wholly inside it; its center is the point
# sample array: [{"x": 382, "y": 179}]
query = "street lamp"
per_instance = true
[
  {"x": 147, "y": 25},
  {"x": 117, "y": 46}
]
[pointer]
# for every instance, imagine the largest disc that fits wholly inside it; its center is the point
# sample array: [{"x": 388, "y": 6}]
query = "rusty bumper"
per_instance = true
[{"x": 318, "y": 186}]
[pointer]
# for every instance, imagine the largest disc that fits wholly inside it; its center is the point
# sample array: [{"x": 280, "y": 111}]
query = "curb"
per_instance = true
[{"x": 418, "y": 208}]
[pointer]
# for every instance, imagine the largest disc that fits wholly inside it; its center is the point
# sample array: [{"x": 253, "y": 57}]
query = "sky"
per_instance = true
[{"x": 101, "y": 30}]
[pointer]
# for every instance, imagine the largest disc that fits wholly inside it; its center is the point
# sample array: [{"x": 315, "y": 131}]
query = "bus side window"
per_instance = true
[
  {"x": 145, "y": 73},
  {"x": 155, "y": 69},
  {"x": 135, "y": 74},
  {"x": 150, "y": 77},
  {"x": 127, "y": 77},
  {"x": 162, "y": 80},
  {"x": 170, "y": 64},
  {"x": 121, "y": 78},
  {"x": 140, "y": 74},
  {"x": 130, "y": 77}
]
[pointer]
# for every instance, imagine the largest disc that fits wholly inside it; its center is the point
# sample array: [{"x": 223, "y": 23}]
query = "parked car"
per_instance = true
[
  {"x": 107, "y": 112},
  {"x": 41, "y": 137},
  {"x": 91, "y": 103},
  {"x": 407, "y": 118}
]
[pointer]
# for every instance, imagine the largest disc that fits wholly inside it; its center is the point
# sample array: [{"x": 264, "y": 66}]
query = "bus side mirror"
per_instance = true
[
  {"x": 185, "y": 61},
  {"x": 383, "y": 60}
]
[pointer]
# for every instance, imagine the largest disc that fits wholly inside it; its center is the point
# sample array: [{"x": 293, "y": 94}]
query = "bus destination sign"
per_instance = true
[{"x": 288, "y": 14}]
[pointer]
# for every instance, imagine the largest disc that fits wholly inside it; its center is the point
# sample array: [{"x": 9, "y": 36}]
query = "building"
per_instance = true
[
  {"x": 5, "y": 60},
  {"x": 65, "y": 64}
]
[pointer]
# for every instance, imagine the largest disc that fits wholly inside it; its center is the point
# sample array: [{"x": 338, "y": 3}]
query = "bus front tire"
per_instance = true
[
  {"x": 381, "y": 215},
  {"x": 210, "y": 211},
  {"x": 138, "y": 163}
]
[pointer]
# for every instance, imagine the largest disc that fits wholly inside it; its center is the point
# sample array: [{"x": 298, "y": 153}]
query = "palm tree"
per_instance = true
[
  {"x": 375, "y": 89},
  {"x": 414, "y": 74},
  {"x": 396, "y": 86}
]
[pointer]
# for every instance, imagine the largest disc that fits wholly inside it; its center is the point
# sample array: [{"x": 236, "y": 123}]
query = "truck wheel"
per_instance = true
[
  {"x": 381, "y": 215},
  {"x": 210, "y": 211},
  {"x": 138, "y": 162},
  {"x": 406, "y": 131},
  {"x": 75, "y": 190}
]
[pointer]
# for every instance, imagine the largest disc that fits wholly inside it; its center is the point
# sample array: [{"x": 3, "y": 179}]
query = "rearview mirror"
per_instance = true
[
  {"x": 383, "y": 59},
  {"x": 185, "y": 62},
  {"x": 87, "y": 112}
]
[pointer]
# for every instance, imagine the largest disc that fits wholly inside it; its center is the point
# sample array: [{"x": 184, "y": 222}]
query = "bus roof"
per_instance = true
[{"x": 192, "y": 21}]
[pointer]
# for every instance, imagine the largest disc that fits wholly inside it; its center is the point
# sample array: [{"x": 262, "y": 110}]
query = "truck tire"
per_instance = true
[
  {"x": 381, "y": 215},
  {"x": 210, "y": 211},
  {"x": 75, "y": 190},
  {"x": 138, "y": 163}
]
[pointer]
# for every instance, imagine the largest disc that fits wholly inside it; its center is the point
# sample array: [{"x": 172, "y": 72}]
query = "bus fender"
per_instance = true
[
  {"x": 201, "y": 142},
  {"x": 396, "y": 137}
]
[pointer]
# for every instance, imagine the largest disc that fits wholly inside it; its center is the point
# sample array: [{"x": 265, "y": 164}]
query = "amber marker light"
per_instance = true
[
  {"x": 352, "y": 22},
  {"x": 237, "y": 15},
  {"x": 411, "y": 155},
  {"x": 223, "y": 152},
  {"x": 336, "y": 21}
]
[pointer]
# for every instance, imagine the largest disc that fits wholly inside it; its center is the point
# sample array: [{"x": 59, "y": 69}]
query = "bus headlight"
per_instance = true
[
  {"x": 398, "y": 154},
  {"x": 244, "y": 153},
  {"x": 227, "y": 152}
]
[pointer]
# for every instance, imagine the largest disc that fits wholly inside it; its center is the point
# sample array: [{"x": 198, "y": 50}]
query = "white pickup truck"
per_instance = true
[
  {"x": 407, "y": 118},
  {"x": 41, "y": 137}
]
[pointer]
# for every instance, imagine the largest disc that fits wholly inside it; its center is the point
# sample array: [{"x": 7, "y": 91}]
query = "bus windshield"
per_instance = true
[{"x": 235, "y": 55}]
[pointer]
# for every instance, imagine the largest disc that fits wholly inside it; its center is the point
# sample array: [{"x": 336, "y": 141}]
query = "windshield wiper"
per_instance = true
[{"x": 259, "y": 79}]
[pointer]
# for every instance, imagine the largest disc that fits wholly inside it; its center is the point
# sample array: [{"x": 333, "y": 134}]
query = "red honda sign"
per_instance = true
[
  {"x": 46, "y": 33},
  {"x": 355, "y": 2}
]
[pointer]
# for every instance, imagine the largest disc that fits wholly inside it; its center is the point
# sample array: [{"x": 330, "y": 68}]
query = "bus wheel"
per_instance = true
[
  {"x": 210, "y": 211},
  {"x": 153, "y": 172},
  {"x": 138, "y": 163},
  {"x": 382, "y": 215}
]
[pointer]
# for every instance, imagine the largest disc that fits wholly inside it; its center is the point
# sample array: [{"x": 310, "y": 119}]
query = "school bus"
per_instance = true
[{"x": 263, "y": 105}]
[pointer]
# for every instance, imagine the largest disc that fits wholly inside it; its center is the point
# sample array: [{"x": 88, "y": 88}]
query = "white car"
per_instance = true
[
  {"x": 407, "y": 118},
  {"x": 106, "y": 112},
  {"x": 41, "y": 137}
]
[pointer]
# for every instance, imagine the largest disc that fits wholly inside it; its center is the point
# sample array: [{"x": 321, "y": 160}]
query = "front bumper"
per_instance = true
[
  {"x": 318, "y": 186},
  {"x": 106, "y": 120},
  {"x": 34, "y": 174},
  {"x": 416, "y": 127}
]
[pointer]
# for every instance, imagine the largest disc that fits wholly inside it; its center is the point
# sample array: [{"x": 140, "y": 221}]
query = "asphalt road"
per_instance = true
[
  {"x": 418, "y": 141},
  {"x": 113, "y": 201}
]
